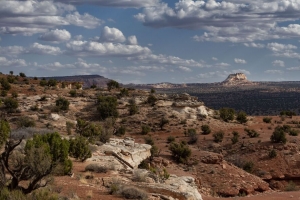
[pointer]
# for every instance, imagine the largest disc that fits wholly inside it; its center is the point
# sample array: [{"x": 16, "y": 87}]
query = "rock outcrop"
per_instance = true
[
  {"x": 175, "y": 187},
  {"x": 121, "y": 153}
]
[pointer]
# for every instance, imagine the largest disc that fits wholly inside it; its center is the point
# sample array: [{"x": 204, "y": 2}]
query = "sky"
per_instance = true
[{"x": 152, "y": 41}]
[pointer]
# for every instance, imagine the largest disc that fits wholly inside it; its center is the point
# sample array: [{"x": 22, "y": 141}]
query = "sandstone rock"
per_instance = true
[
  {"x": 173, "y": 188},
  {"x": 211, "y": 158},
  {"x": 54, "y": 116},
  {"x": 124, "y": 151}
]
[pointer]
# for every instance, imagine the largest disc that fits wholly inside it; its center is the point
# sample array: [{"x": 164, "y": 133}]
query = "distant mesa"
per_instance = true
[
  {"x": 237, "y": 79},
  {"x": 87, "y": 80}
]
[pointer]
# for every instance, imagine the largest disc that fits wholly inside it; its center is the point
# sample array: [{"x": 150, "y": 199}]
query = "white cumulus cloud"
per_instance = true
[
  {"x": 273, "y": 71},
  {"x": 4, "y": 62},
  {"x": 86, "y": 20},
  {"x": 115, "y": 3},
  {"x": 278, "y": 63},
  {"x": 227, "y": 21},
  {"x": 56, "y": 36},
  {"x": 37, "y": 48},
  {"x": 186, "y": 69},
  {"x": 240, "y": 61},
  {"x": 32, "y": 17},
  {"x": 112, "y": 35},
  {"x": 132, "y": 40},
  {"x": 92, "y": 48}
]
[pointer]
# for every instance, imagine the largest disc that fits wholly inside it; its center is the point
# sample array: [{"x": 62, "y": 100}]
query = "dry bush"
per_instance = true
[
  {"x": 28, "y": 132},
  {"x": 139, "y": 175},
  {"x": 131, "y": 192},
  {"x": 97, "y": 168}
]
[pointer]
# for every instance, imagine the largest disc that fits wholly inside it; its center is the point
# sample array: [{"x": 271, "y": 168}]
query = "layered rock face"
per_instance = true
[
  {"x": 237, "y": 79},
  {"x": 174, "y": 188}
]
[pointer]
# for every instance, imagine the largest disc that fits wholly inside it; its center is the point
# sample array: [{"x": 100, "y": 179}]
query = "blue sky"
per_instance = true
[{"x": 150, "y": 41}]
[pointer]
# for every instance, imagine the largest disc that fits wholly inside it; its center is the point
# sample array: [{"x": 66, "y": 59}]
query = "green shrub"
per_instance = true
[
  {"x": 251, "y": 133},
  {"x": 227, "y": 114},
  {"x": 180, "y": 151},
  {"x": 79, "y": 148},
  {"x": 267, "y": 120},
  {"x": 88, "y": 129},
  {"x": 151, "y": 100},
  {"x": 149, "y": 140},
  {"x": 14, "y": 94},
  {"x": 10, "y": 79},
  {"x": 43, "y": 98},
  {"x": 3, "y": 93},
  {"x": 124, "y": 92},
  {"x": 43, "y": 82},
  {"x": 69, "y": 126},
  {"x": 193, "y": 138},
  {"x": 248, "y": 166},
  {"x": 155, "y": 151},
  {"x": 55, "y": 151},
  {"x": 11, "y": 104},
  {"x": 235, "y": 137},
  {"x": 112, "y": 85},
  {"x": 145, "y": 129},
  {"x": 5, "y": 84},
  {"x": 22, "y": 74},
  {"x": 278, "y": 136},
  {"x": 107, "y": 107},
  {"x": 120, "y": 131},
  {"x": 73, "y": 93},
  {"x": 62, "y": 103},
  {"x": 4, "y": 131},
  {"x": 272, "y": 153},
  {"x": 242, "y": 117},
  {"x": 52, "y": 82},
  {"x": 132, "y": 108},
  {"x": 163, "y": 121},
  {"x": 218, "y": 136},
  {"x": 205, "y": 129},
  {"x": 93, "y": 86},
  {"x": 171, "y": 139},
  {"x": 287, "y": 113},
  {"x": 293, "y": 132}
]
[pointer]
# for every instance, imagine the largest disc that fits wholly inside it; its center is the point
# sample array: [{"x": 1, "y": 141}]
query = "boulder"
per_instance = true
[
  {"x": 211, "y": 158},
  {"x": 54, "y": 116}
]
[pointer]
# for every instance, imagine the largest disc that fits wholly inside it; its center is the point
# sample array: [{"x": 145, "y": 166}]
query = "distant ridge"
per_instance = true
[{"x": 87, "y": 80}]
